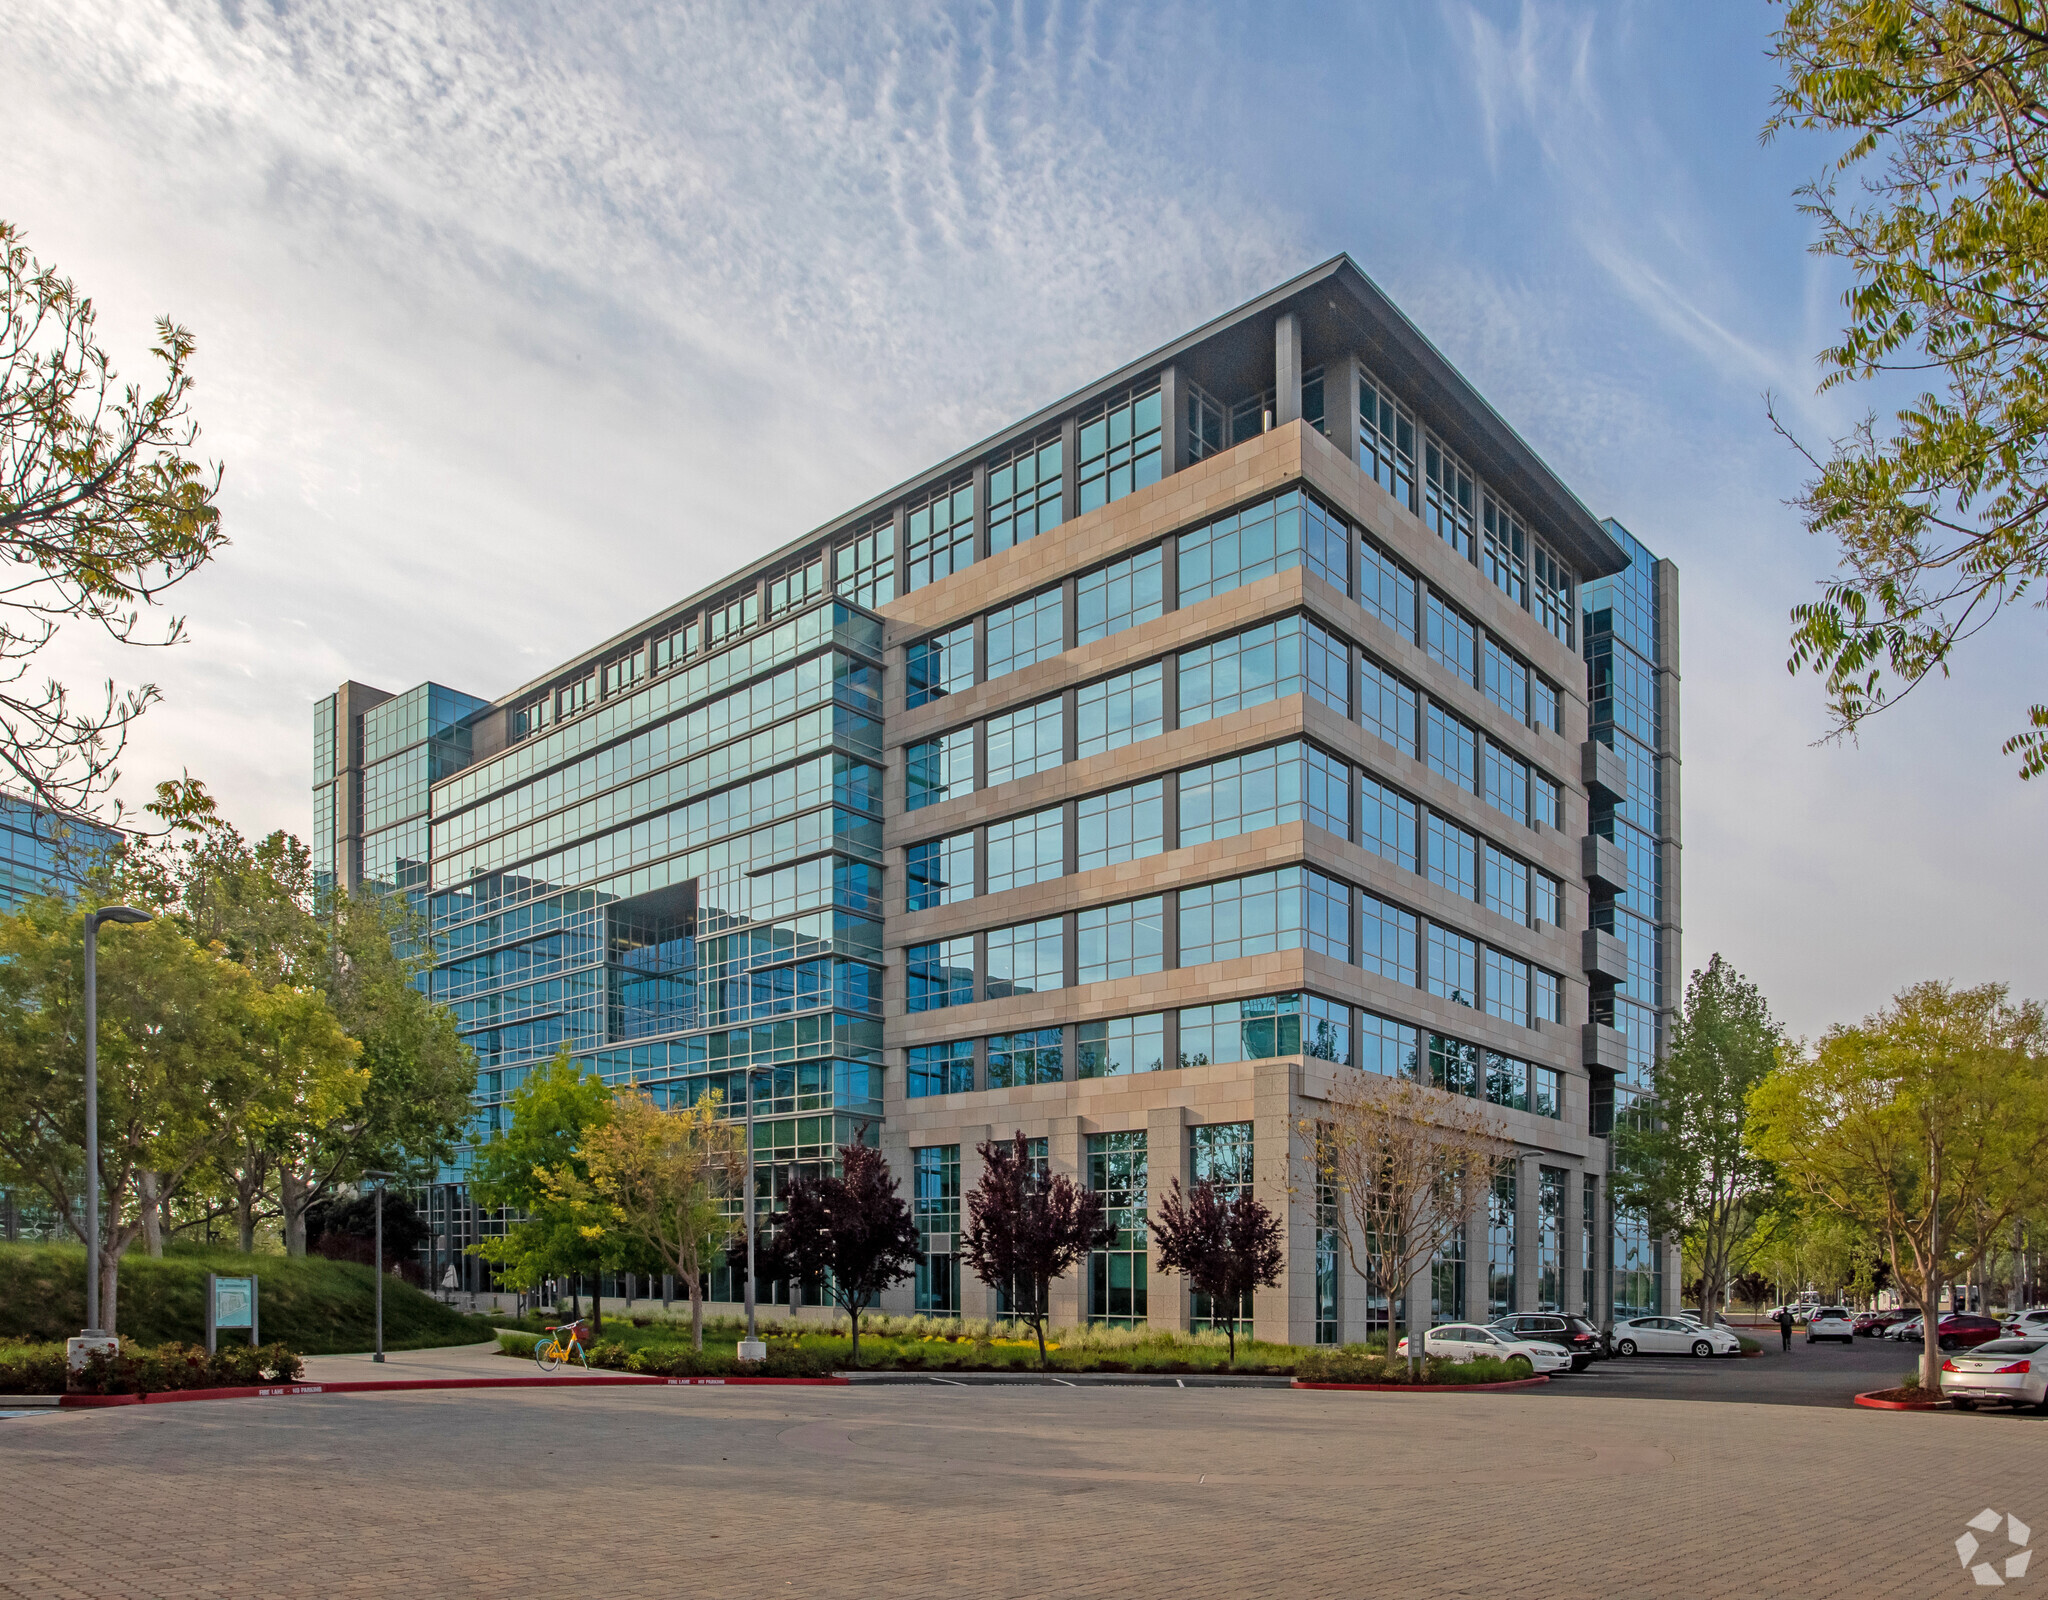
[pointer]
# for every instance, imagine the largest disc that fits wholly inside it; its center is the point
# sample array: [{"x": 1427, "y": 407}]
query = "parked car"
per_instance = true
[
  {"x": 1830, "y": 1322},
  {"x": 1956, "y": 1331},
  {"x": 2010, "y": 1372},
  {"x": 1575, "y": 1335},
  {"x": 1467, "y": 1341},
  {"x": 1906, "y": 1330},
  {"x": 1799, "y": 1310},
  {"x": 2027, "y": 1325},
  {"x": 1870, "y": 1324},
  {"x": 1671, "y": 1336}
]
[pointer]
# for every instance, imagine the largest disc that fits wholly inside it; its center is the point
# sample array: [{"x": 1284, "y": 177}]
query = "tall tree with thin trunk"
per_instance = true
[
  {"x": 1225, "y": 1248},
  {"x": 1027, "y": 1227},
  {"x": 664, "y": 1177},
  {"x": 1409, "y": 1166},
  {"x": 1681, "y": 1156},
  {"x": 852, "y": 1232},
  {"x": 1923, "y": 1125}
]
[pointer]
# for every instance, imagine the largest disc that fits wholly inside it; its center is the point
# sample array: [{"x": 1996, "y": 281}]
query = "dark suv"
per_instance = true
[{"x": 1575, "y": 1334}]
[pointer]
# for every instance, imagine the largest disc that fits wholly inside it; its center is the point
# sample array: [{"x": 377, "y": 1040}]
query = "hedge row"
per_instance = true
[{"x": 28, "y": 1368}]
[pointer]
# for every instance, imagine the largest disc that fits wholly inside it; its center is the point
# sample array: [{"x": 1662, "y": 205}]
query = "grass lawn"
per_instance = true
[{"x": 316, "y": 1306}]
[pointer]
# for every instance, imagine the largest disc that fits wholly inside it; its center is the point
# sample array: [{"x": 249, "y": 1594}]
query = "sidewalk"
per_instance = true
[{"x": 425, "y": 1366}]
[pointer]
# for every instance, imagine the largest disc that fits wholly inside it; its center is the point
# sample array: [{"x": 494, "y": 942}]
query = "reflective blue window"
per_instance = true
[
  {"x": 1276, "y": 659},
  {"x": 1453, "y": 966},
  {"x": 1027, "y": 849},
  {"x": 1391, "y": 1048},
  {"x": 1386, "y": 589},
  {"x": 1448, "y": 498},
  {"x": 1386, "y": 440},
  {"x": 1119, "y": 596},
  {"x": 1453, "y": 857},
  {"x": 1505, "y": 885},
  {"x": 940, "y": 974},
  {"x": 1026, "y": 632},
  {"x": 1507, "y": 783},
  {"x": 1507, "y": 987},
  {"x": 1454, "y": 1066},
  {"x": 1548, "y": 898},
  {"x": 1119, "y": 448},
  {"x": 1255, "y": 1030},
  {"x": 1120, "y": 710},
  {"x": 1024, "y": 489},
  {"x": 1451, "y": 638},
  {"x": 1247, "y": 545},
  {"x": 1507, "y": 681},
  {"x": 939, "y": 666},
  {"x": 1388, "y": 945},
  {"x": 938, "y": 872},
  {"x": 1029, "y": 958},
  {"x": 1453, "y": 749},
  {"x": 1030, "y": 739},
  {"x": 1016, "y": 1060},
  {"x": 941, "y": 1070},
  {"x": 938, "y": 536},
  {"x": 1386, "y": 706},
  {"x": 1123, "y": 940},
  {"x": 1288, "y": 909},
  {"x": 1386, "y": 822},
  {"x": 938, "y": 769},
  {"x": 1504, "y": 555},
  {"x": 1123, "y": 825},
  {"x": 1120, "y": 1046}
]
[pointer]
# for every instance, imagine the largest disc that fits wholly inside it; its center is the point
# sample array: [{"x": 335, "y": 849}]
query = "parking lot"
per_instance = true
[
  {"x": 1806, "y": 1375},
  {"x": 1587, "y": 1487}
]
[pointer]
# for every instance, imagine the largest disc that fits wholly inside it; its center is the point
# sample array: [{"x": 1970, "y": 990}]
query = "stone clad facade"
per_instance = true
[{"x": 949, "y": 945}]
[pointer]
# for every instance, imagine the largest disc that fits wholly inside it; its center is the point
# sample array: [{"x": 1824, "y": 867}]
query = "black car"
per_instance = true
[{"x": 1585, "y": 1342}]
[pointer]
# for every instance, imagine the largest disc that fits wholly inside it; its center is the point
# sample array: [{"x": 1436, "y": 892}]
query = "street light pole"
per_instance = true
[{"x": 93, "y": 919}]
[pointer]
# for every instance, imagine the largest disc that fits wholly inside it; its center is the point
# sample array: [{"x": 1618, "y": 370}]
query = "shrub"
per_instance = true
[
  {"x": 135, "y": 1370},
  {"x": 1354, "y": 1364},
  {"x": 27, "y": 1367}
]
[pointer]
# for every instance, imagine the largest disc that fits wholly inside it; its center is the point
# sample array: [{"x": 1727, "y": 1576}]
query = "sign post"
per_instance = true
[{"x": 230, "y": 1304}]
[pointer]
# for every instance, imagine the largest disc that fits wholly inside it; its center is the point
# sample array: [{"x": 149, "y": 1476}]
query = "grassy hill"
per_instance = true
[{"x": 316, "y": 1306}]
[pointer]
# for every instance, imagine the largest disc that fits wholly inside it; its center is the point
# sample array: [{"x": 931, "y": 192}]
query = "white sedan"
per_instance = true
[
  {"x": 1468, "y": 1341},
  {"x": 1670, "y": 1336},
  {"x": 2010, "y": 1372}
]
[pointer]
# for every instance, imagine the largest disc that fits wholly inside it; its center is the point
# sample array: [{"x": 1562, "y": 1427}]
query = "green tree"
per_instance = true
[
  {"x": 1922, "y": 1125},
  {"x": 664, "y": 1178},
  {"x": 1683, "y": 1159},
  {"x": 534, "y": 1167},
  {"x": 101, "y": 511},
  {"x": 260, "y": 904},
  {"x": 1938, "y": 517},
  {"x": 192, "y": 1049}
]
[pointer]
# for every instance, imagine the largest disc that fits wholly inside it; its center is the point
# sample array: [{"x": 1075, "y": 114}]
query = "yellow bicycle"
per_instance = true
[{"x": 559, "y": 1345}]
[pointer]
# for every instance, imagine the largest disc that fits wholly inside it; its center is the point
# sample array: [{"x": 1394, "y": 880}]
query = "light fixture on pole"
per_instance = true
[
  {"x": 751, "y": 1348},
  {"x": 380, "y": 1177},
  {"x": 93, "y": 919}
]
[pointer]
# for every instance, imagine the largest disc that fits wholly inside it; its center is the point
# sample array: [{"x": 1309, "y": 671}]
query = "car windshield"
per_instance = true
[{"x": 2009, "y": 1347}]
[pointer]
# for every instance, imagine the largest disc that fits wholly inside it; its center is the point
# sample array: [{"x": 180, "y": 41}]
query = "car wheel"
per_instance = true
[
  {"x": 1960, "y": 1404},
  {"x": 1624, "y": 1347},
  {"x": 1944, "y": 1344},
  {"x": 1700, "y": 1347},
  {"x": 1581, "y": 1363}
]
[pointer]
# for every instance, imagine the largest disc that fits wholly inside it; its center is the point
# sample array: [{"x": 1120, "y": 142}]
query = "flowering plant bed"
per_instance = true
[{"x": 31, "y": 1368}]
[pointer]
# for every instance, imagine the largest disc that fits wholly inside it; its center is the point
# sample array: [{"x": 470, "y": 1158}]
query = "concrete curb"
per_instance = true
[
  {"x": 275, "y": 1391},
  {"x": 1432, "y": 1388}
]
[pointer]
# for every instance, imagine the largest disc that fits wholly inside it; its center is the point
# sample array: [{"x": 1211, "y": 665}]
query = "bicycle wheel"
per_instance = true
[{"x": 548, "y": 1355}]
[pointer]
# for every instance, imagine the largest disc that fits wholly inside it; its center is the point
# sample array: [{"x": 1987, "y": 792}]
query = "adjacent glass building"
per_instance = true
[{"x": 1120, "y": 782}]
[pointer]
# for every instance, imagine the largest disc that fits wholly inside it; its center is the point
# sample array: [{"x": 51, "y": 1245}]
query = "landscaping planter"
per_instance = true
[
  {"x": 1886, "y": 1400},
  {"x": 1426, "y": 1388}
]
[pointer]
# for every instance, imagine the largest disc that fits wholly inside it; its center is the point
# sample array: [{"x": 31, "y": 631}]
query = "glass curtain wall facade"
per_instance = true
[
  {"x": 1142, "y": 737},
  {"x": 1631, "y": 630}
]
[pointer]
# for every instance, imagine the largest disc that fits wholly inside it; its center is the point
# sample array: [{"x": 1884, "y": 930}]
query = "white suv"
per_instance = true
[{"x": 1831, "y": 1322}]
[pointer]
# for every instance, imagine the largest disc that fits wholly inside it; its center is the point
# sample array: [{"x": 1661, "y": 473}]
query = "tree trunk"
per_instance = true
[
  {"x": 245, "y": 1216},
  {"x": 853, "y": 1312},
  {"x": 597, "y": 1307},
  {"x": 576, "y": 1297},
  {"x": 110, "y": 1289},
  {"x": 696, "y": 1282},
  {"x": 294, "y": 1195},
  {"x": 152, "y": 1211}
]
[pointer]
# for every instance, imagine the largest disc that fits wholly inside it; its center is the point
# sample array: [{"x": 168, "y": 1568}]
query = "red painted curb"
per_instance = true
[
  {"x": 1430, "y": 1388},
  {"x": 1871, "y": 1400},
  {"x": 386, "y": 1386}
]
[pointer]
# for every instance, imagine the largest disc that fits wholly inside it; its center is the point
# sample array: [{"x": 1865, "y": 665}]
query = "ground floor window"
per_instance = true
[
  {"x": 1222, "y": 1155},
  {"x": 1550, "y": 1183},
  {"x": 1116, "y": 1275},
  {"x": 935, "y": 1207},
  {"x": 1638, "y": 1266}
]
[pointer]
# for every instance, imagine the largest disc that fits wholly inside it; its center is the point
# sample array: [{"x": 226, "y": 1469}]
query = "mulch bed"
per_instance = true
[{"x": 1900, "y": 1400}]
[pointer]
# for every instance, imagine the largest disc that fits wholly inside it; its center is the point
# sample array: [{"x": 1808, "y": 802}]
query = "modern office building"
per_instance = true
[{"x": 1123, "y": 781}]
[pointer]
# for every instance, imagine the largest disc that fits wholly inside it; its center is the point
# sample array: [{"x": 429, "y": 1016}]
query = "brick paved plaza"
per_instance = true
[{"x": 1000, "y": 1491}]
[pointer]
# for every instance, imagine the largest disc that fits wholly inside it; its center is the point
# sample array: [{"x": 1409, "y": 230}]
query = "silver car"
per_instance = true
[
  {"x": 1670, "y": 1336},
  {"x": 2011, "y": 1372}
]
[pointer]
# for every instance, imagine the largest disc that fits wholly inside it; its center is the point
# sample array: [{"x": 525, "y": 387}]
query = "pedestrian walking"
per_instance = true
[{"x": 1785, "y": 1327}]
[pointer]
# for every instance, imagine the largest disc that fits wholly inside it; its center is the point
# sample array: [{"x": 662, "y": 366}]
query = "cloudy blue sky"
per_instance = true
[{"x": 519, "y": 321}]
